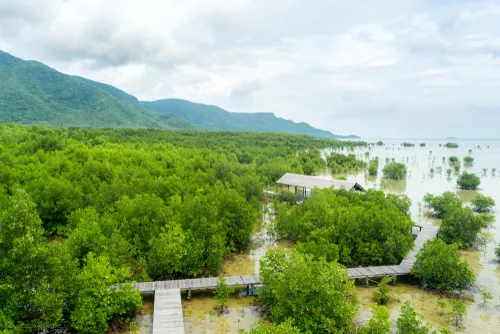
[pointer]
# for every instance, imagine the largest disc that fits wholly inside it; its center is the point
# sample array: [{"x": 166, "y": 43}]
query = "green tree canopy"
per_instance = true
[
  {"x": 438, "y": 266},
  {"x": 316, "y": 295},
  {"x": 461, "y": 226},
  {"x": 468, "y": 159},
  {"x": 395, "y": 171},
  {"x": 448, "y": 201},
  {"x": 410, "y": 322},
  {"x": 468, "y": 181},
  {"x": 482, "y": 203},
  {"x": 99, "y": 299},
  {"x": 379, "y": 322},
  {"x": 367, "y": 228}
]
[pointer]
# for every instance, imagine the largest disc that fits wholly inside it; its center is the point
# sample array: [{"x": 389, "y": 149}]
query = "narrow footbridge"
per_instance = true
[{"x": 167, "y": 316}]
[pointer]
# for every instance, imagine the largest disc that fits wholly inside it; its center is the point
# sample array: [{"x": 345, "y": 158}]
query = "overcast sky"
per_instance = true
[{"x": 387, "y": 68}]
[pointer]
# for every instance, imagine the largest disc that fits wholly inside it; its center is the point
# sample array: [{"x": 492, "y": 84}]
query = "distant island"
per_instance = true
[{"x": 35, "y": 94}]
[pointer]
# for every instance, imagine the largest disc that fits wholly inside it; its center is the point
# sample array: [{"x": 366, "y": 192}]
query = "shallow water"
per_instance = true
[
  {"x": 419, "y": 160},
  {"x": 202, "y": 315},
  {"x": 420, "y": 181}
]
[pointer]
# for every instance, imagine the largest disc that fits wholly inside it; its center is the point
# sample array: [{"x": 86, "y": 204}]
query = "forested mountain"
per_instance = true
[
  {"x": 33, "y": 93},
  {"x": 214, "y": 118}
]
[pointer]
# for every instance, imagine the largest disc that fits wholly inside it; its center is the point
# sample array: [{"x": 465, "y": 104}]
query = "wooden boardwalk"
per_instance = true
[
  {"x": 167, "y": 316},
  {"x": 197, "y": 283},
  {"x": 427, "y": 232}
]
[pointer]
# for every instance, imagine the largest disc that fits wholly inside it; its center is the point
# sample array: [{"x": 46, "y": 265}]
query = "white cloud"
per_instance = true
[
  {"x": 365, "y": 67},
  {"x": 469, "y": 15}
]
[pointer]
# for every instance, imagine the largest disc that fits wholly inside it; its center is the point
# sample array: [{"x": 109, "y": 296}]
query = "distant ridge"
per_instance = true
[
  {"x": 33, "y": 93},
  {"x": 214, "y": 118}
]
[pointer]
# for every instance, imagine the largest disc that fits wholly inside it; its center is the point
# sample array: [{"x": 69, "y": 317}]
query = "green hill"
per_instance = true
[
  {"x": 215, "y": 118},
  {"x": 33, "y": 93}
]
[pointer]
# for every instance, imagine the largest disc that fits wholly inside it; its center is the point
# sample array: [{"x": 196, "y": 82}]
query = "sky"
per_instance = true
[{"x": 387, "y": 68}]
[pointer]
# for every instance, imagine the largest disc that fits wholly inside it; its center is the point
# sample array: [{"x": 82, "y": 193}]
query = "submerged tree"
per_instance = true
[
  {"x": 482, "y": 203},
  {"x": 468, "y": 160},
  {"x": 468, "y": 181},
  {"x": 444, "y": 203},
  {"x": 438, "y": 266},
  {"x": 373, "y": 166},
  {"x": 379, "y": 322},
  {"x": 382, "y": 295},
  {"x": 458, "y": 311},
  {"x": 317, "y": 295},
  {"x": 222, "y": 292},
  {"x": 286, "y": 327},
  {"x": 395, "y": 171},
  {"x": 461, "y": 226},
  {"x": 410, "y": 322},
  {"x": 486, "y": 295}
]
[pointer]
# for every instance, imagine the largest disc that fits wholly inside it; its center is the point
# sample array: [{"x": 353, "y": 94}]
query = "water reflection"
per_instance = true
[{"x": 393, "y": 186}]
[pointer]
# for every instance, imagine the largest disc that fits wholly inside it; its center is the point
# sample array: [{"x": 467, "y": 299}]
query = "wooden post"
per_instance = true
[
  {"x": 189, "y": 294},
  {"x": 367, "y": 282},
  {"x": 248, "y": 290}
]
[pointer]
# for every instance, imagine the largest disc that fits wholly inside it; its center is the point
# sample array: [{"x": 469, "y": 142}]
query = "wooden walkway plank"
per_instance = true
[
  {"x": 427, "y": 232},
  {"x": 167, "y": 316},
  {"x": 354, "y": 273},
  {"x": 167, "y": 313}
]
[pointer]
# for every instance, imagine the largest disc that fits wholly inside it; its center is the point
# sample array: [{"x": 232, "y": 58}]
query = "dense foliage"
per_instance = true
[
  {"x": 373, "y": 166},
  {"x": 379, "y": 322},
  {"x": 468, "y": 159},
  {"x": 356, "y": 228},
  {"x": 451, "y": 145},
  {"x": 410, "y": 322},
  {"x": 43, "y": 287},
  {"x": 438, "y": 266},
  {"x": 482, "y": 203},
  {"x": 83, "y": 210},
  {"x": 406, "y": 144},
  {"x": 316, "y": 295},
  {"x": 459, "y": 225},
  {"x": 453, "y": 159},
  {"x": 395, "y": 171},
  {"x": 468, "y": 181},
  {"x": 443, "y": 203},
  {"x": 285, "y": 327},
  {"x": 339, "y": 162},
  {"x": 381, "y": 296}
]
